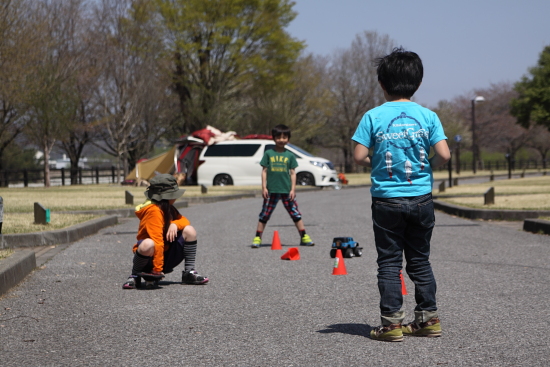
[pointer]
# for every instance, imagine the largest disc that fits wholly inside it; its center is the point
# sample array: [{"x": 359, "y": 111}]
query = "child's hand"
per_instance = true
[
  {"x": 292, "y": 194},
  {"x": 172, "y": 232},
  {"x": 265, "y": 193}
]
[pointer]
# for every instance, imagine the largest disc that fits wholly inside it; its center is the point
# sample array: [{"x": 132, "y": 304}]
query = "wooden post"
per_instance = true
[
  {"x": 450, "y": 168},
  {"x": 455, "y": 181},
  {"x": 41, "y": 214},
  {"x": 489, "y": 196},
  {"x": 492, "y": 176},
  {"x": 129, "y": 198},
  {"x": 442, "y": 186},
  {"x": 1, "y": 213},
  {"x": 25, "y": 178},
  {"x": 204, "y": 189},
  {"x": 62, "y": 176},
  {"x": 113, "y": 174},
  {"x": 97, "y": 175}
]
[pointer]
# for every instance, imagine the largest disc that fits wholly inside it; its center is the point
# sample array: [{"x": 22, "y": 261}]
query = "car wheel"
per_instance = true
[
  {"x": 357, "y": 252},
  {"x": 333, "y": 253},
  {"x": 305, "y": 179},
  {"x": 348, "y": 253},
  {"x": 223, "y": 180}
]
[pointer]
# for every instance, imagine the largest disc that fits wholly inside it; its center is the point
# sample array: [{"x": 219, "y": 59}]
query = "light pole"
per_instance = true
[{"x": 475, "y": 152}]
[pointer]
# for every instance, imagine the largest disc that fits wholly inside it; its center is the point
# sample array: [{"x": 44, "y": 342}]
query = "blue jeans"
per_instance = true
[{"x": 404, "y": 225}]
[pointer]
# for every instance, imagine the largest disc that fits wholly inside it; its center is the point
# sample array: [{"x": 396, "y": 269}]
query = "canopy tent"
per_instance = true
[{"x": 146, "y": 169}]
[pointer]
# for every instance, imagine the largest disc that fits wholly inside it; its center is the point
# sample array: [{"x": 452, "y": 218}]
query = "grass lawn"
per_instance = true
[
  {"x": 530, "y": 193},
  {"x": 91, "y": 197},
  {"x": 19, "y": 203},
  {"x": 24, "y": 222}
]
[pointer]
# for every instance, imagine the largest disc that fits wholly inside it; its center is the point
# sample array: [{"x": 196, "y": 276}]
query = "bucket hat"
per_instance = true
[{"x": 163, "y": 187}]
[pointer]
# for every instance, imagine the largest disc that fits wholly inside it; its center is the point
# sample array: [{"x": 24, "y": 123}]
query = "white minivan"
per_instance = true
[{"x": 237, "y": 162}]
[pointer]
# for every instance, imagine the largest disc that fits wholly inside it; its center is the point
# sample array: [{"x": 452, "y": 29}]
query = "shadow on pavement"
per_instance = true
[{"x": 351, "y": 329}]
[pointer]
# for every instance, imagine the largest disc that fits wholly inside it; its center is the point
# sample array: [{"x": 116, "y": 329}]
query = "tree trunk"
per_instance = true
[
  {"x": 46, "y": 165},
  {"x": 74, "y": 173}
]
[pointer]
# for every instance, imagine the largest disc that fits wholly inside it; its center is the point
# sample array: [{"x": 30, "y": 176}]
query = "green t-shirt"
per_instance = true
[{"x": 278, "y": 170}]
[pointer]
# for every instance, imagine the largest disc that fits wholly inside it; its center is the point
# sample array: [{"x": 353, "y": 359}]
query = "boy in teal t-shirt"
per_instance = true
[
  {"x": 395, "y": 139},
  {"x": 279, "y": 183}
]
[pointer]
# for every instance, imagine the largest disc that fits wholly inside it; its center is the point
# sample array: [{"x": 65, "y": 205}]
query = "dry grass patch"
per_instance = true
[
  {"x": 531, "y": 193},
  {"x": 358, "y": 178},
  {"x": 520, "y": 186},
  {"x": 93, "y": 197},
  {"x": 5, "y": 253},
  {"x": 516, "y": 202},
  {"x": 24, "y": 222}
]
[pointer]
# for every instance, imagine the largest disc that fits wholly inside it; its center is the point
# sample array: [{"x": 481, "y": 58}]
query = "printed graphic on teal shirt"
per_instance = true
[
  {"x": 400, "y": 135},
  {"x": 278, "y": 170}
]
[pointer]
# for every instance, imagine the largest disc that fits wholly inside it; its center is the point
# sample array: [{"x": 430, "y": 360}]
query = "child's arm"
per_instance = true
[
  {"x": 292, "y": 193},
  {"x": 265, "y": 193},
  {"x": 442, "y": 154},
  {"x": 361, "y": 155}
]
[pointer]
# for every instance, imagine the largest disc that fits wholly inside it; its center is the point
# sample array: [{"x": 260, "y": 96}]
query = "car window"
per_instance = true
[
  {"x": 304, "y": 152},
  {"x": 232, "y": 150},
  {"x": 272, "y": 146}
]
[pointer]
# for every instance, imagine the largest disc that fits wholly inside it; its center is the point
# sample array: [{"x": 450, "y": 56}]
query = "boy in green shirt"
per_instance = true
[{"x": 279, "y": 183}]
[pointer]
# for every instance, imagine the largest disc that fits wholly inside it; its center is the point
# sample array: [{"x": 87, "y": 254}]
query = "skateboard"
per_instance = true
[{"x": 151, "y": 280}]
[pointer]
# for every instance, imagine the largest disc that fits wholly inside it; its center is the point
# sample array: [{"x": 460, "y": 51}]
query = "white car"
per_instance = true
[{"x": 237, "y": 162}]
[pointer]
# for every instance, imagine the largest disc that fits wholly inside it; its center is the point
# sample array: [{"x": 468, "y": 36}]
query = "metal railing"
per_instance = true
[{"x": 58, "y": 177}]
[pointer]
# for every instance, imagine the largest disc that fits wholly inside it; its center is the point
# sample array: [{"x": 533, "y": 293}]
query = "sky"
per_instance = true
[{"x": 464, "y": 45}]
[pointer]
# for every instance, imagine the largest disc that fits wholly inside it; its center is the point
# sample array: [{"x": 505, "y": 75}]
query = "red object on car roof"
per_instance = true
[{"x": 258, "y": 136}]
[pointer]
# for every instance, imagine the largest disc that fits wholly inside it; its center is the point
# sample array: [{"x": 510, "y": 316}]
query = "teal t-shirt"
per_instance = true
[
  {"x": 278, "y": 170},
  {"x": 399, "y": 136}
]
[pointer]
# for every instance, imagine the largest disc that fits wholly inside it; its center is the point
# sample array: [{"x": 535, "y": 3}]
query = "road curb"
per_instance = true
[
  {"x": 487, "y": 214},
  {"x": 60, "y": 236},
  {"x": 15, "y": 268},
  {"x": 536, "y": 226}
]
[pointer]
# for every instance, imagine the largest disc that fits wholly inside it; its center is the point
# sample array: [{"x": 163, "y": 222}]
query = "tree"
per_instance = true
[
  {"x": 496, "y": 128},
  {"x": 302, "y": 103},
  {"x": 532, "y": 105},
  {"x": 78, "y": 45},
  {"x": 539, "y": 140},
  {"x": 220, "y": 49},
  {"x": 454, "y": 124},
  {"x": 355, "y": 90},
  {"x": 52, "y": 102},
  {"x": 18, "y": 43}
]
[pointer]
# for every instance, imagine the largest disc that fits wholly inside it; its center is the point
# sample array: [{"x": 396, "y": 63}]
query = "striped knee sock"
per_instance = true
[
  {"x": 189, "y": 252},
  {"x": 140, "y": 262}
]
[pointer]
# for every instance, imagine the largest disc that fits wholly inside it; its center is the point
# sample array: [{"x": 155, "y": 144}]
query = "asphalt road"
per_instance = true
[{"x": 258, "y": 310}]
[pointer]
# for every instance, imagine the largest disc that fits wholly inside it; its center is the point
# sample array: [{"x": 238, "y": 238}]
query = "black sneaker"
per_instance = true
[{"x": 192, "y": 277}]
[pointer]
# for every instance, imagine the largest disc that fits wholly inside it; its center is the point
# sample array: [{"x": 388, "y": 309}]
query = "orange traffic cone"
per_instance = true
[
  {"x": 291, "y": 254},
  {"x": 276, "y": 243},
  {"x": 403, "y": 288},
  {"x": 339, "y": 265}
]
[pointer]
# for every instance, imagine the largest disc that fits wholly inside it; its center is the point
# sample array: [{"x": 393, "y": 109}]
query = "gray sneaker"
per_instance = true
[
  {"x": 192, "y": 277},
  {"x": 131, "y": 283}
]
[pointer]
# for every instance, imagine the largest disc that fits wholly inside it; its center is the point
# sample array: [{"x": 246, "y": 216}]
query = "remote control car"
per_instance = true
[{"x": 349, "y": 247}]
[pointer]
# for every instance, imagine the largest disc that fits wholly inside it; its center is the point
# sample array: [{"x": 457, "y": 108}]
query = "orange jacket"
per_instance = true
[{"x": 151, "y": 225}]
